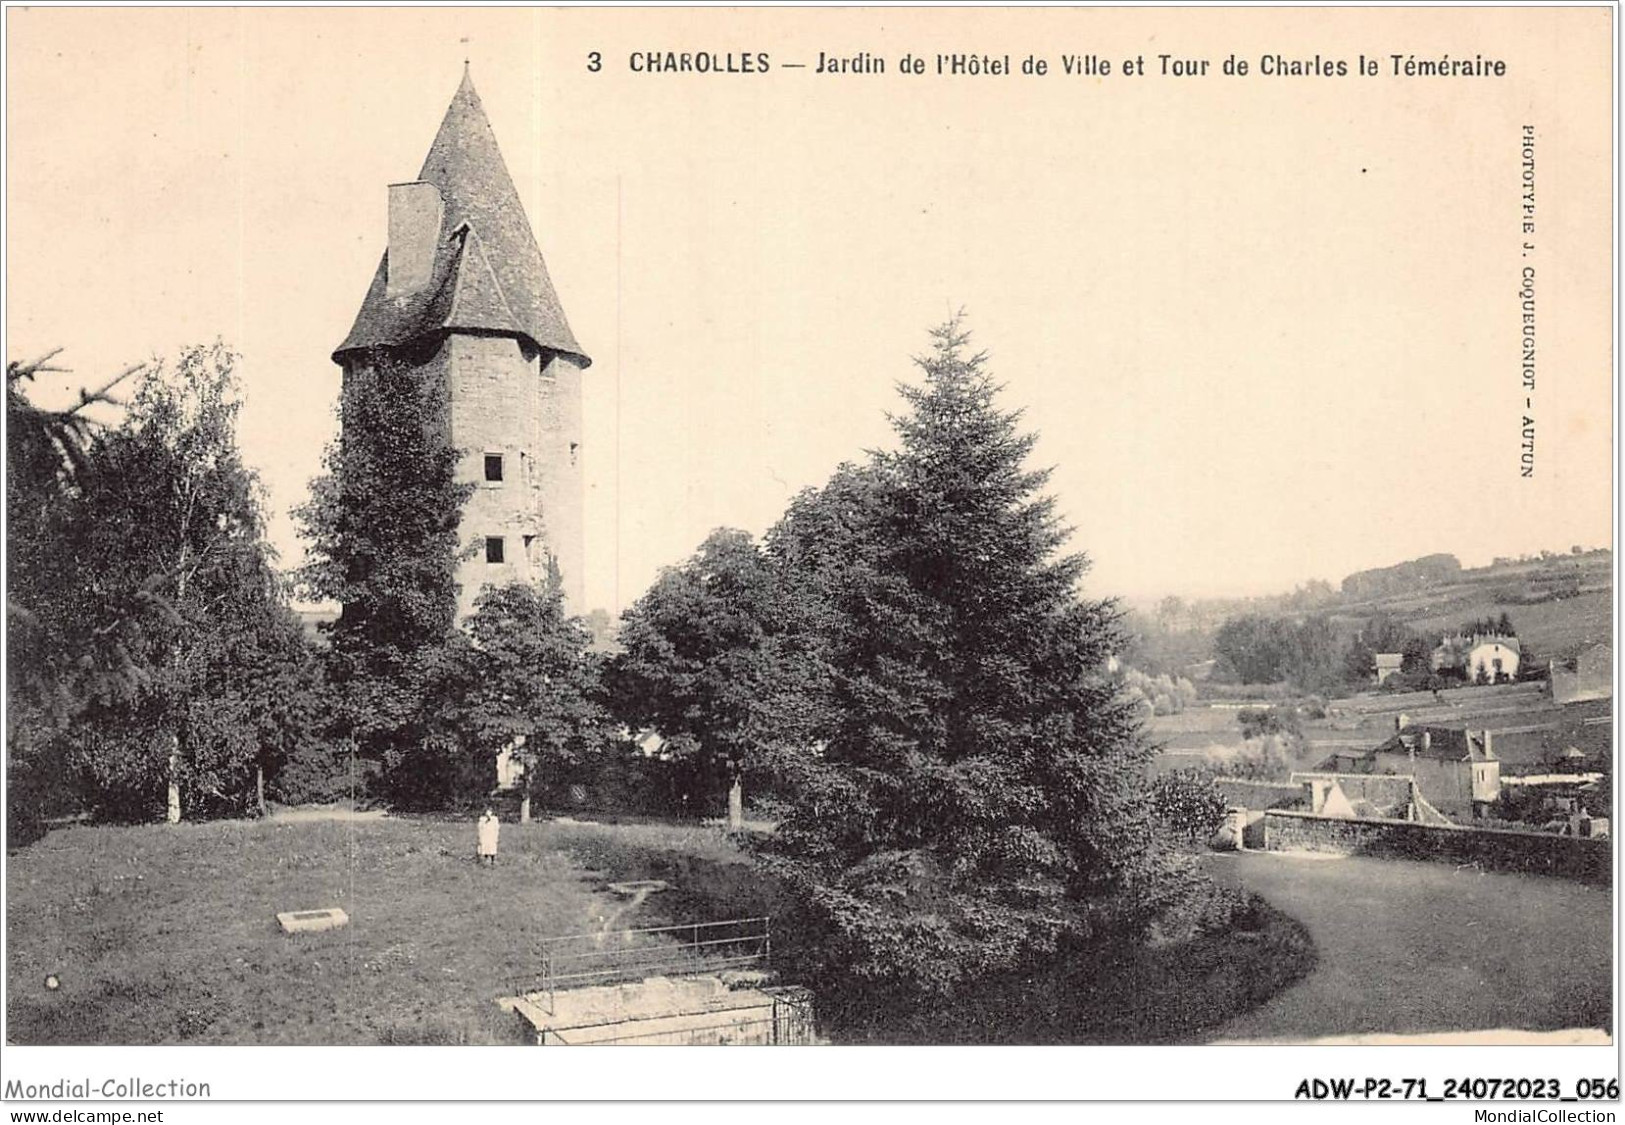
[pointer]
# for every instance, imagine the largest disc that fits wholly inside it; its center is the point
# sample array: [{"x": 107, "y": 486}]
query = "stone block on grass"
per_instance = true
[{"x": 312, "y": 921}]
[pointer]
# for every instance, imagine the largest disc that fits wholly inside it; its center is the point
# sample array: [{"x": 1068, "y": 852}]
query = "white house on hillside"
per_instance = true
[{"x": 1488, "y": 656}]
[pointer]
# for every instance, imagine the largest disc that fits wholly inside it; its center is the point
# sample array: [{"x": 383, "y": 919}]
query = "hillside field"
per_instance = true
[
  {"x": 1528, "y": 728},
  {"x": 1554, "y": 627}
]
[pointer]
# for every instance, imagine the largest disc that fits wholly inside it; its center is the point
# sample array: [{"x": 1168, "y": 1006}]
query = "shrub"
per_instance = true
[
  {"x": 1189, "y": 803},
  {"x": 1192, "y": 905},
  {"x": 315, "y": 774},
  {"x": 1160, "y": 695},
  {"x": 1257, "y": 723},
  {"x": 1271, "y": 758}
]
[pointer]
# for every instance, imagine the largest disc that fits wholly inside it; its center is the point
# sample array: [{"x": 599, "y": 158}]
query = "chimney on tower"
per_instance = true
[{"x": 415, "y": 214}]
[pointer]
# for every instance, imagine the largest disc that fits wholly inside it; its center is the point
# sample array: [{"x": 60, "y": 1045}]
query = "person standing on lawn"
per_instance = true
[{"x": 489, "y": 828}]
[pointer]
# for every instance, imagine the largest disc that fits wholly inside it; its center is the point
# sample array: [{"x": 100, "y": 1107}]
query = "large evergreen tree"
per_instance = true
[
  {"x": 973, "y": 789},
  {"x": 60, "y": 659}
]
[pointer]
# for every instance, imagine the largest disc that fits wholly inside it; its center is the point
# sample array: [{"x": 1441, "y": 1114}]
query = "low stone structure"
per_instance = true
[
  {"x": 312, "y": 921},
  {"x": 1247, "y": 799},
  {"x": 1248, "y": 793},
  {"x": 725, "y": 1009}
]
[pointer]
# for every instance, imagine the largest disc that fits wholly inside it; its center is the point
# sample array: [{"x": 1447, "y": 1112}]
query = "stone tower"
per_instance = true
[{"x": 462, "y": 296}]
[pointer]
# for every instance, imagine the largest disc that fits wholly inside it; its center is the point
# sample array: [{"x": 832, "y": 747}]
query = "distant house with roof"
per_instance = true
[
  {"x": 1368, "y": 796},
  {"x": 314, "y": 622},
  {"x": 1455, "y": 770},
  {"x": 1388, "y": 664},
  {"x": 1481, "y": 656},
  {"x": 1344, "y": 796}
]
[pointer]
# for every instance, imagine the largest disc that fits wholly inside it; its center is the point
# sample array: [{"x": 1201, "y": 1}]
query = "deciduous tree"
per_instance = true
[
  {"x": 532, "y": 683},
  {"x": 157, "y": 541},
  {"x": 698, "y": 659}
]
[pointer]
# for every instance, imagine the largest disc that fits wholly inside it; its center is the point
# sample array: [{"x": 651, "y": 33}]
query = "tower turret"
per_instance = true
[{"x": 463, "y": 296}]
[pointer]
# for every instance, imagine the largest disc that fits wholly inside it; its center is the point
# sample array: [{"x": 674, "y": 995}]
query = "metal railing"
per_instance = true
[
  {"x": 579, "y": 960},
  {"x": 712, "y": 1034}
]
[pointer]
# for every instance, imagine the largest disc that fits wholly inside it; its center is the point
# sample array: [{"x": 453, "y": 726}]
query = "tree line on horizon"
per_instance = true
[{"x": 1545, "y": 576}]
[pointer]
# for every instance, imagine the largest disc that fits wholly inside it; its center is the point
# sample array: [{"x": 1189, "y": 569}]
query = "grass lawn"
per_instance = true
[
  {"x": 1422, "y": 947},
  {"x": 168, "y": 934},
  {"x": 165, "y": 935}
]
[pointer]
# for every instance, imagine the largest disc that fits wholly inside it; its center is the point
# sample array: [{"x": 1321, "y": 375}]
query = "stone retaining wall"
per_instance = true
[{"x": 1503, "y": 850}]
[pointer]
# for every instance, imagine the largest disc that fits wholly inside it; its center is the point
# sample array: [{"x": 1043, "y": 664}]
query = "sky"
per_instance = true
[{"x": 1267, "y": 328}]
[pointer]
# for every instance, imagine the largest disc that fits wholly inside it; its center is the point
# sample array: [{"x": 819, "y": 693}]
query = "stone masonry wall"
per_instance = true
[
  {"x": 559, "y": 457},
  {"x": 502, "y": 400},
  {"x": 1533, "y": 852},
  {"x": 494, "y": 397}
]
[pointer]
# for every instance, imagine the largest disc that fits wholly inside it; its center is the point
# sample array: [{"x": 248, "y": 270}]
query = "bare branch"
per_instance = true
[{"x": 101, "y": 394}]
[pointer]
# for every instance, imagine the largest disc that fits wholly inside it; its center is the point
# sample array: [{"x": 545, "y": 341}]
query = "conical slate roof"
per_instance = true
[{"x": 488, "y": 272}]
